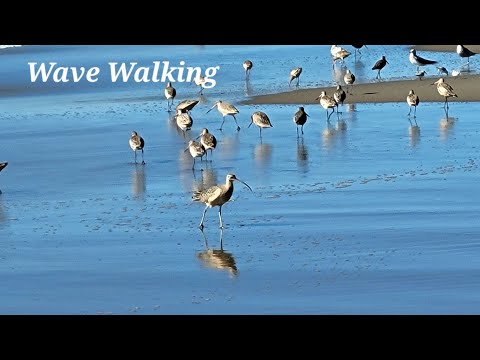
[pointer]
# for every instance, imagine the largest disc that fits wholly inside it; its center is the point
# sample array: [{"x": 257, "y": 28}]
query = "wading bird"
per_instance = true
[
  {"x": 295, "y": 74},
  {"x": 170, "y": 94},
  {"x": 136, "y": 142},
  {"x": 379, "y": 65},
  {"x": 444, "y": 90},
  {"x": 413, "y": 100},
  {"x": 260, "y": 119},
  {"x": 225, "y": 109},
  {"x": 217, "y": 195},
  {"x": 300, "y": 118},
  {"x": 247, "y": 66},
  {"x": 208, "y": 141}
]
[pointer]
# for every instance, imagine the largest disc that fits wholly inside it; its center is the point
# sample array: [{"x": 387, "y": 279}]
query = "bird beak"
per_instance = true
[
  {"x": 212, "y": 108},
  {"x": 198, "y": 136},
  {"x": 186, "y": 149},
  {"x": 318, "y": 97},
  {"x": 244, "y": 183},
  {"x": 307, "y": 114},
  {"x": 250, "y": 124}
]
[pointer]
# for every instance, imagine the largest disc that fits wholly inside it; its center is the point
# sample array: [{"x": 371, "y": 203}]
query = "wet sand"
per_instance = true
[{"x": 466, "y": 86}]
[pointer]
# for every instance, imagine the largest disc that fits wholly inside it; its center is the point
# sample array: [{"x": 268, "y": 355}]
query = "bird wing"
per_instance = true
[{"x": 207, "y": 195}]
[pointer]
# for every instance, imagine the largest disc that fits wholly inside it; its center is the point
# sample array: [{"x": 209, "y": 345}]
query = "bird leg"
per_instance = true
[
  {"x": 238, "y": 127},
  {"x": 135, "y": 151},
  {"x": 222, "y": 124},
  {"x": 220, "y": 216},
  {"x": 297, "y": 130},
  {"x": 193, "y": 167},
  {"x": 203, "y": 218},
  {"x": 409, "y": 111},
  {"x": 143, "y": 161},
  {"x": 302, "y": 129}
]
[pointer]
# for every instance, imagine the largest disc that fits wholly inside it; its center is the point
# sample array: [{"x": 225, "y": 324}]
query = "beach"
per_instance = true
[
  {"x": 466, "y": 87},
  {"x": 371, "y": 212}
]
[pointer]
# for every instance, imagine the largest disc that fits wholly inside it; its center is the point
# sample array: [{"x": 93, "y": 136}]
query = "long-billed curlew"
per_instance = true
[
  {"x": 208, "y": 140},
  {"x": 184, "y": 121},
  {"x": 196, "y": 150},
  {"x": 295, "y": 74},
  {"x": 247, "y": 66},
  {"x": 327, "y": 102},
  {"x": 136, "y": 142},
  {"x": 418, "y": 60},
  {"x": 260, "y": 119},
  {"x": 300, "y": 118},
  {"x": 413, "y": 100},
  {"x": 225, "y": 109},
  {"x": 379, "y": 65},
  {"x": 217, "y": 195},
  {"x": 170, "y": 94},
  {"x": 186, "y": 105},
  {"x": 444, "y": 90}
]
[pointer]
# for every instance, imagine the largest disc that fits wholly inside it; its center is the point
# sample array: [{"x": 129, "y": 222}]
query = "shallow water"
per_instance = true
[{"x": 371, "y": 217}]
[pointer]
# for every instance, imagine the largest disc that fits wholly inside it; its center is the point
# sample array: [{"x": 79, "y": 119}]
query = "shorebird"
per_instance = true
[
  {"x": 200, "y": 81},
  {"x": 260, "y": 119},
  {"x": 349, "y": 79},
  {"x": 225, "y": 109},
  {"x": 247, "y": 65},
  {"x": 208, "y": 141},
  {"x": 300, "y": 118},
  {"x": 357, "y": 49},
  {"x": 136, "y": 142},
  {"x": 456, "y": 73},
  {"x": 184, "y": 121},
  {"x": 445, "y": 90},
  {"x": 334, "y": 49},
  {"x": 379, "y": 65},
  {"x": 295, "y": 74},
  {"x": 186, "y": 105},
  {"x": 442, "y": 70},
  {"x": 421, "y": 74},
  {"x": 464, "y": 52},
  {"x": 339, "y": 96},
  {"x": 413, "y": 100},
  {"x": 327, "y": 102},
  {"x": 418, "y": 60},
  {"x": 217, "y": 195},
  {"x": 196, "y": 150},
  {"x": 170, "y": 94},
  {"x": 341, "y": 55}
]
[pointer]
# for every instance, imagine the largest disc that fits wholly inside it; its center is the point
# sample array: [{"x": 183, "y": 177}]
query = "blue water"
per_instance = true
[{"x": 374, "y": 218}]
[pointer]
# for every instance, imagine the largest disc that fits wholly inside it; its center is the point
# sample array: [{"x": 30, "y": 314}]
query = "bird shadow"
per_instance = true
[{"x": 217, "y": 258}]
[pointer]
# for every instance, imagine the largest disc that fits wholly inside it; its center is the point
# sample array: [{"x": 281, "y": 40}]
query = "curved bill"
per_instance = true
[
  {"x": 244, "y": 183},
  {"x": 212, "y": 108}
]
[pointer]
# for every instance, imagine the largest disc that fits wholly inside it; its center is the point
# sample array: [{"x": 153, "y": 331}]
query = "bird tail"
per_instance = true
[{"x": 196, "y": 196}]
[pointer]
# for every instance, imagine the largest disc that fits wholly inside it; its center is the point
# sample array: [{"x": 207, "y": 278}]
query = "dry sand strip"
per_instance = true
[{"x": 466, "y": 87}]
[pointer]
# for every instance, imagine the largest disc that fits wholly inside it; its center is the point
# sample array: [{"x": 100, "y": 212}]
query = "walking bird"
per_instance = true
[
  {"x": 136, "y": 143},
  {"x": 300, "y": 118},
  {"x": 379, "y": 65},
  {"x": 413, "y": 100},
  {"x": 225, "y": 109},
  {"x": 170, "y": 94},
  {"x": 260, "y": 119},
  {"x": 444, "y": 90},
  {"x": 295, "y": 74},
  {"x": 217, "y": 195}
]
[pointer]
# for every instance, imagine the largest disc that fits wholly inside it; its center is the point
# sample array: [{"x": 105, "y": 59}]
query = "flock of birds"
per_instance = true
[{"x": 220, "y": 194}]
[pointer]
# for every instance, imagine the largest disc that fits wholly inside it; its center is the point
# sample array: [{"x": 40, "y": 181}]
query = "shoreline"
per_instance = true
[{"x": 467, "y": 87}]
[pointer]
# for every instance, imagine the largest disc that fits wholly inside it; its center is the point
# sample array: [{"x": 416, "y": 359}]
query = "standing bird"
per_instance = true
[
  {"x": 300, "y": 118},
  {"x": 339, "y": 96},
  {"x": 442, "y": 70},
  {"x": 208, "y": 141},
  {"x": 225, "y": 109},
  {"x": 463, "y": 52},
  {"x": 349, "y": 79},
  {"x": 413, "y": 100},
  {"x": 379, "y": 65},
  {"x": 137, "y": 143},
  {"x": 327, "y": 102},
  {"x": 341, "y": 55},
  {"x": 260, "y": 119},
  {"x": 421, "y": 74},
  {"x": 170, "y": 94},
  {"x": 184, "y": 121},
  {"x": 196, "y": 150},
  {"x": 445, "y": 90},
  {"x": 247, "y": 65},
  {"x": 295, "y": 74},
  {"x": 217, "y": 195},
  {"x": 418, "y": 60},
  {"x": 200, "y": 81},
  {"x": 186, "y": 105},
  {"x": 357, "y": 49}
]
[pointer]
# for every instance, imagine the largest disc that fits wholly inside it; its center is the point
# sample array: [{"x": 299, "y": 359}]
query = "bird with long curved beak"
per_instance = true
[{"x": 217, "y": 195}]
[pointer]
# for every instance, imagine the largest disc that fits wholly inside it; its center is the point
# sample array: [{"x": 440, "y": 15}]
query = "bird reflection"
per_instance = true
[
  {"x": 446, "y": 124},
  {"x": 139, "y": 185},
  {"x": 302, "y": 155},
  {"x": 414, "y": 132},
  {"x": 202, "y": 99},
  {"x": 248, "y": 88},
  {"x": 217, "y": 259},
  {"x": 262, "y": 153},
  {"x": 207, "y": 179},
  {"x": 338, "y": 74},
  {"x": 328, "y": 134},
  {"x": 230, "y": 145}
]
